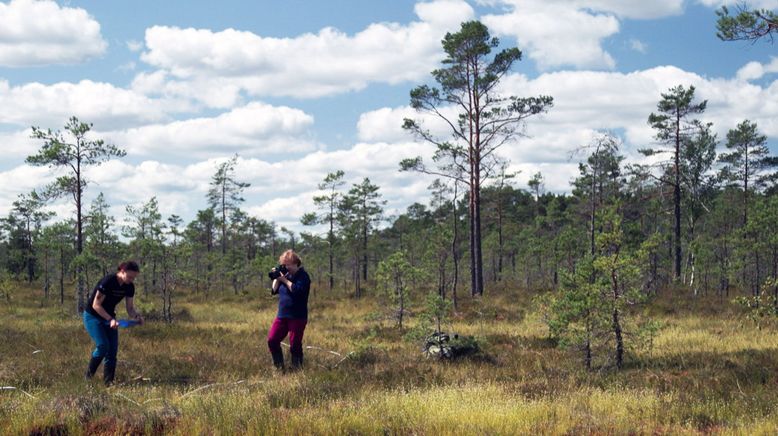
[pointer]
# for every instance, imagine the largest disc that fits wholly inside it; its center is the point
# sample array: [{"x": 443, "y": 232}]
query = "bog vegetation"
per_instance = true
[
  {"x": 644, "y": 300},
  {"x": 707, "y": 369}
]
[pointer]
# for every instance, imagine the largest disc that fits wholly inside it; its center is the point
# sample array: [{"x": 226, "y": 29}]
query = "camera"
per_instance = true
[{"x": 277, "y": 272}]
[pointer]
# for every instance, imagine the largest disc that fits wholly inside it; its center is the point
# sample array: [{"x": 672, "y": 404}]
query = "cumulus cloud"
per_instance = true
[
  {"x": 378, "y": 162},
  {"x": 273, "y": 195},
  {"x": 26, "y": 178},
  {"x": 585, "y": 102},
  {"x": 256, "y": 129},
  {"x": 756, "y": 70},
  {"x": 215, "y": 67},
  {"x": 18, "y": 145},
  {"x": 557, "y": 33},
  {"x": 554, "y": 34},
  {"x": 385, "y": 124},
  {"x": 105, "y": 105},
  {"x": 41, "y": 32},
  {"x": 253, "y": 130}
]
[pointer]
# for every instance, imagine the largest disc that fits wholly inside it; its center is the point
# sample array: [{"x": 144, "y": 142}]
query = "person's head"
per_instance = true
[
  {"x": 127, "y": 271},
  {"x": 290, "y": 260}
]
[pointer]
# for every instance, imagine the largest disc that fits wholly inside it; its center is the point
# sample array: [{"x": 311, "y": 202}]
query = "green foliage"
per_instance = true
[
  {"x": 434, "y": 314},
  {"x": 746, "y": 24},
  {"x": 689, "y": 149},
  {"x": 436, "y": 309},
  {"x": 646, "y": 332},
  {"x": 593, "y": 306},
  {"x": 578, "y": 311},
  {"x": 396, "y": 278},
  {"x": 144, "y": 306},
  {"x": 763, "y": 307},
  {"x": 469, "y": 82},
  {"x": 6, "y": 287}
]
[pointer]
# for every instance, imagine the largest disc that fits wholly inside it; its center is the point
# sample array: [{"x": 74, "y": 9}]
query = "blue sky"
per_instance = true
[{"x": 299, "y": 89}]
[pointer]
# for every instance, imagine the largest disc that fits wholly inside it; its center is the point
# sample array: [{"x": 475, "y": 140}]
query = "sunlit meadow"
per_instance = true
[{"x": 709, "y": 370}]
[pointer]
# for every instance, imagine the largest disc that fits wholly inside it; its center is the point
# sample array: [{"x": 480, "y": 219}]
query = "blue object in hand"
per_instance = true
[{"x": 124, "y": 323}]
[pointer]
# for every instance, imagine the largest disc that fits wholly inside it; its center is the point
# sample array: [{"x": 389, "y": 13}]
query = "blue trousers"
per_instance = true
[{"x": 106, "y": 339}]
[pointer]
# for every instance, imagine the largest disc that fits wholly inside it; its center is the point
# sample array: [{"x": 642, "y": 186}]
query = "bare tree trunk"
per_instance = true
[
  {"x": 677, "y": 201},
  {"x": 616, "y": 323},
  {"x": 357, "y": 287},
  {"x": 454, "y": 251},
  {"x": 478, "y": 251}
]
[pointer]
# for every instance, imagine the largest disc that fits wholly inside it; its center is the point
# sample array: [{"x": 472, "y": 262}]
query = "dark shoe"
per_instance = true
[
  {"x": 92, "y": 368},
  {"x": 108, "y": 373},
  {"x": 297, "y": 361},
  {"x": 278, "y": 359}
]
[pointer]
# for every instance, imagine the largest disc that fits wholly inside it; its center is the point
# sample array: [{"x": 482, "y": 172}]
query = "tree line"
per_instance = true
[{"x": 693, "y": 221}]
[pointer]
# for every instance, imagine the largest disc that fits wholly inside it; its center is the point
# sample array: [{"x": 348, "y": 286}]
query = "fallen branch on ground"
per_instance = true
[
  {"x": 211, "y": 385},
  {"x": 311, "y": 347},
  {"x": 11, "y": 388}
]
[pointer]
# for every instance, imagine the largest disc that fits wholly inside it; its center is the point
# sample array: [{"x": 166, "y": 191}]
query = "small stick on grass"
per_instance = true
[{"x": 11, "y": 388}]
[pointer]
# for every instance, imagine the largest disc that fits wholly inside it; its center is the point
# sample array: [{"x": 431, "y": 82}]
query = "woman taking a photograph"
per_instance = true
[{"x": 292, "y": 285}]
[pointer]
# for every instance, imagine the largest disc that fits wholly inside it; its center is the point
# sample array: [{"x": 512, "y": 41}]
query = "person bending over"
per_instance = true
[{"x": 100, "y": 317}]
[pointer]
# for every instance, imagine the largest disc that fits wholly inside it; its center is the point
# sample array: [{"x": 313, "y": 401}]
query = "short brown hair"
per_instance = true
[
  {"x": 290, "y": 255},
  {"x": 130, "y": 265}
]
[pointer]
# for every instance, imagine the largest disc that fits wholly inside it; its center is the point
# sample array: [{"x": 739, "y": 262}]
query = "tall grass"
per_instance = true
[{"x": 210, "y": 373}]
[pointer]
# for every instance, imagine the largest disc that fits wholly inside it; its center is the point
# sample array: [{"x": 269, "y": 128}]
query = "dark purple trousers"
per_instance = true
[{"x": 278, "y": 331}]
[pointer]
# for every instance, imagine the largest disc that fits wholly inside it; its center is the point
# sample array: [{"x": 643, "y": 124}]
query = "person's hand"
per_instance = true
[
  {"x": 114, "y": 324},
  {"x": 288, "y": 283},
  {"x": 139, "y": 318}
]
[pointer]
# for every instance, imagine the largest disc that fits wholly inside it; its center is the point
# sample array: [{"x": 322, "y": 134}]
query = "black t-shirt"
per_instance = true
[{"x": 114, "y": 293}]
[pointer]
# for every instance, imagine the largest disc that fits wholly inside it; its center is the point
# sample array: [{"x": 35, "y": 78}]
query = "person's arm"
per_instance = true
[
  {"x": 275, "y": 286},
  {"x": 97, "y": 305},
  {"x": 301, "y": 284},
  {"x": 287, "y": 282},
  {"x": 131, "y": 310}
]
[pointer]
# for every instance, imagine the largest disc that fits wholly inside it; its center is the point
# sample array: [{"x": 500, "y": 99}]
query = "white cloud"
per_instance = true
[
  {"x": 590, "y": 101},
  {"x": 256, "y": 129},
  {"x": 641, "y": 10},
  {"x": 636, "y": 9},
  {"x": 16, "y": 146},
  {"x": 753, "y": 4},
  {"x": 25, "y": 177},
  {"x": 554, "y": 34},
  {"x": 601, "y": 100},
  {"x": 638, "y": 45},
  {"x": 281, "y": 190},
  {"x": 359, "y": 162},
  {"x": 444, "y": 14},
  {"x": 385, "y": 124},
  {"x": 556, "y": 176},
  {"x": 756, "y": 70},
  {"x": 50, "y": 106},
  {"x": 134, "y": 46},
  {"x": 215, "y": 67},
  {"x": 41, "y": 32}
]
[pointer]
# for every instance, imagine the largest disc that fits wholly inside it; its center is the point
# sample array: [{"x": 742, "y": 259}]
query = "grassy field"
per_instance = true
[{"x": 709, "y": 372}]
